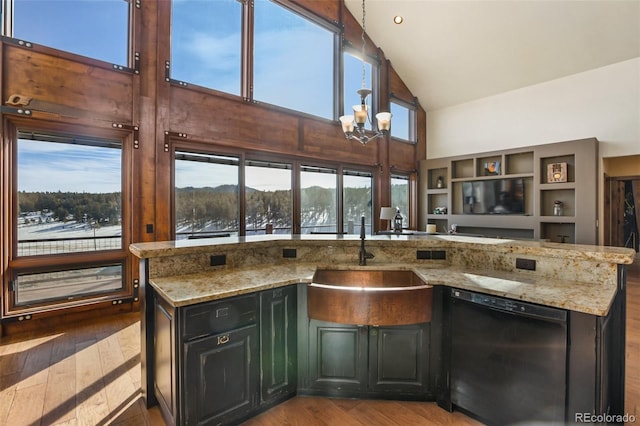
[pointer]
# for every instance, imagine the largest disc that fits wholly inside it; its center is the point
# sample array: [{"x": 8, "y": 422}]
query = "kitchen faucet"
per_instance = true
[{"x": 363, "y": 255}]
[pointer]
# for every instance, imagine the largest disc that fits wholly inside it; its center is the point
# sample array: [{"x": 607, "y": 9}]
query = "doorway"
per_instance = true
[{"x": 622, "y": 208}]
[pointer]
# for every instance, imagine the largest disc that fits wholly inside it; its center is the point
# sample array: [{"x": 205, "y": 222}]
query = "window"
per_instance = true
[
  {"x": 69, "y": 202},
  {"x": 357, "y": 201},
  {"x": 48, "y": 286},
  {"x": 268, "y": 198},
  {"x": 206, "y": 195},
  {"x": 69, "y": 195},
  {"x": 400, "y": 196},
  {"x": 206, "y": 43},
  {"x": 403, "y": 121},
  {"x": 293, "y": 61},
  {"x": 96, "y": 29},
  {"x": 318, "y": 209},
  {"x": 353, "y": 83}
]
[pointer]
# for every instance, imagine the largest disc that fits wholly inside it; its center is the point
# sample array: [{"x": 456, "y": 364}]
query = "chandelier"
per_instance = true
[{"x": 353, "y": 125}]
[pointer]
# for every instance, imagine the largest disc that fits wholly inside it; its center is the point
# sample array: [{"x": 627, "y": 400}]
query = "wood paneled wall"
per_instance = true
[{"x": 90, "y": 94}]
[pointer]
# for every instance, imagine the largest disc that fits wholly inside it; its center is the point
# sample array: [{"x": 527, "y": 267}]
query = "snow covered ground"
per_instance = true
[
  {"x": 66, "y": 237},
  {"x": 70, "y": 237}
]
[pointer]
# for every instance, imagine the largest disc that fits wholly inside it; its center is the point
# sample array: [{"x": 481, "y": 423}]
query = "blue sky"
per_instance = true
[
  {"x": 47, "y": 166},
  {"x": 94, "y": 28},
  {"x": 205, "y": 51}
]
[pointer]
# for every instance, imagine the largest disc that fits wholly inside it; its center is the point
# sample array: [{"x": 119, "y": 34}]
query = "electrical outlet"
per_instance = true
[
  {"x": 526, "y": 264},
  {"x": 438, "y": 255},
  {"x": 289, "y": 253},
  {"x": 218, "y": 260},
  {"x": 423, "y": 254}
]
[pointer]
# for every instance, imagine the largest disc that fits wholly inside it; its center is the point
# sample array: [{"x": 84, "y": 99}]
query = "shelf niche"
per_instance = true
[
  {"x": 548, "y": 198},
  {"x": 518, "y": 163},
  {"x": 558, "y": 232},
  {"x": 577, "y": 224},
  {"x": 434, "y": 175}
]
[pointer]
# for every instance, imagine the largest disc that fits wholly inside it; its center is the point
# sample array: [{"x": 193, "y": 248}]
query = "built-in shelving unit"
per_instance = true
[{"x": 444, "y": 202}]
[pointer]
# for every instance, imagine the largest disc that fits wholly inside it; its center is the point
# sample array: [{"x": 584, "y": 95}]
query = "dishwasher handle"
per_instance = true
[{"x": 512, "y": 306}]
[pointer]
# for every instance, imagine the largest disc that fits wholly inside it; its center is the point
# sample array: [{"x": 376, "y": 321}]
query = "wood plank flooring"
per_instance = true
[
  {"x": 632, "y": 361},
  {"x": 89, "y": 374}
]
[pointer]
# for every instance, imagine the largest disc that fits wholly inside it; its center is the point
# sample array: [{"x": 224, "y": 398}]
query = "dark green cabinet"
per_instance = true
[
  {"x": 278, "y": 337},
  {"x": 221, "y": 362},
  {"x": 164, "y": 377},
  {"x": 399, "y": 359},
  {"x": 221, "y": 376},
  {"x": 220, "y": 370},
  {"x": 338, "y": 357},
  {"x": 368, "y": 361}
]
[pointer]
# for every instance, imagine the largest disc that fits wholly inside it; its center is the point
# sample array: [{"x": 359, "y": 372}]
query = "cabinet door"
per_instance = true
[
  {"x": 164, "y": 378},
  {"x": 399, "y": 359},
  {"x": 278, "y": 354},
  {"x": 221, "y": 376},
  {"x": 337, "y": 356}
]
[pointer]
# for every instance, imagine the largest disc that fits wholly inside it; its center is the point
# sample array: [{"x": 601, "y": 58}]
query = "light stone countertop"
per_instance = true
[
  {"x": 617, "y": 255},
  {"x": 590, "y": 298},
  {"x": 568, "y": 276}
]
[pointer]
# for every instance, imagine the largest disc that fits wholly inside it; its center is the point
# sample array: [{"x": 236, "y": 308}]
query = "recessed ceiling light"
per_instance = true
[{"x": 398, "y": 19}]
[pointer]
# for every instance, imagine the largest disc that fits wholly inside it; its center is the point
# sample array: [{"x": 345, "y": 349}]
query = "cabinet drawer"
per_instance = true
[{"x": 220, "y": 316}]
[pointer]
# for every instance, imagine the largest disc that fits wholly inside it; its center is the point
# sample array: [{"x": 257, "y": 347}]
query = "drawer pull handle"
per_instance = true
[{"x": 223, "y": 339}]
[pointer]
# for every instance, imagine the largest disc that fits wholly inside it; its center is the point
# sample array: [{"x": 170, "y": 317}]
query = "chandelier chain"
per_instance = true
[{"x": 364, "y": 43}]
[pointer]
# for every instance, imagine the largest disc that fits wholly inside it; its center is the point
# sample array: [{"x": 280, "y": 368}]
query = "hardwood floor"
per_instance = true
[
  {"x": 86, "y": 374},
  {"x": 632, "y": 361},
  {"x": 89, "y": 374}
]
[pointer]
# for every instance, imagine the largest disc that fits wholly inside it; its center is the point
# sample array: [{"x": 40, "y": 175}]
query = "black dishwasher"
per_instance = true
[{"x": 508, "y": 359}]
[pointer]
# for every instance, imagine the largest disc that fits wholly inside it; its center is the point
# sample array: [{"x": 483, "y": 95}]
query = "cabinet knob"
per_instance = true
[{"x": 223, "y": 339}]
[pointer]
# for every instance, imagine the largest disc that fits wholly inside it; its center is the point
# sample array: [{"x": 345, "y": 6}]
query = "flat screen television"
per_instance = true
[{"x": 494, "y": 196}]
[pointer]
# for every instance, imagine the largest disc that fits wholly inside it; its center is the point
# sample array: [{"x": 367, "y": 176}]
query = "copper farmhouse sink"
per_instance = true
[{"x": 369, "y": 297}]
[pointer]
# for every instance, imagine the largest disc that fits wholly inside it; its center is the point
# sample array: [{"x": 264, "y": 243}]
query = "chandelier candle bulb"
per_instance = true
[
  {"x": 347, "y": 123},
  {"x": 384, "y": 121},
  {"x": 360, "y": 112}
]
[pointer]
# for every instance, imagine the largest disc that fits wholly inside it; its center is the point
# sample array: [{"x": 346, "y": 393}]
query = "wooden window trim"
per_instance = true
[{"x": 40, "y": 263}]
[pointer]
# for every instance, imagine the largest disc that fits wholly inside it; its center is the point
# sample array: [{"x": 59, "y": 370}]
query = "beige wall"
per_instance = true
[
  {"x": 621, "y": 166},
  {"x": 603, "y": 103}
]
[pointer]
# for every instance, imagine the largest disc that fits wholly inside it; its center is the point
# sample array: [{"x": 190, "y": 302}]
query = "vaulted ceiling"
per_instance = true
[{"x": 454, "y": 51}]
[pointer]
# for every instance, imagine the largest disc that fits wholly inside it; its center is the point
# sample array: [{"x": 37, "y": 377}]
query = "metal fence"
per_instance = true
[{"x": 37, "y": 247}]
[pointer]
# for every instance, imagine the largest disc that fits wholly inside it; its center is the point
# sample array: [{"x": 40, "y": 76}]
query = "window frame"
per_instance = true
[
  {"x": 63, "y": 261},
  {"x": 245, "y": 76},
  {"x": 247, "y": 66},
  {"x": 133, "y": 20},
  {"x": 337, "y": 60},
  {"x": 246, "y": 156},
  {"x": 359, "y": 171},
  {"x": 407, "y": 224},
  {"x": 310, "y": 166},
  {"x": 412, "y": 124},
  {"x": 203, "y": 150},
  {"x": 255, "y": 162}
]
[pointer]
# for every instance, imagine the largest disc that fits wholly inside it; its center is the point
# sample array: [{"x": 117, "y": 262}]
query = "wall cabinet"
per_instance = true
[
  {"x": 444, "y": 201},
  {"x": 367, "y": 361}
]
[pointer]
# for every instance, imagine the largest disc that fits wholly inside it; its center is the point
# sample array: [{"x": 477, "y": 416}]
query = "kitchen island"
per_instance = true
[{"x": 242, "y": 301}]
